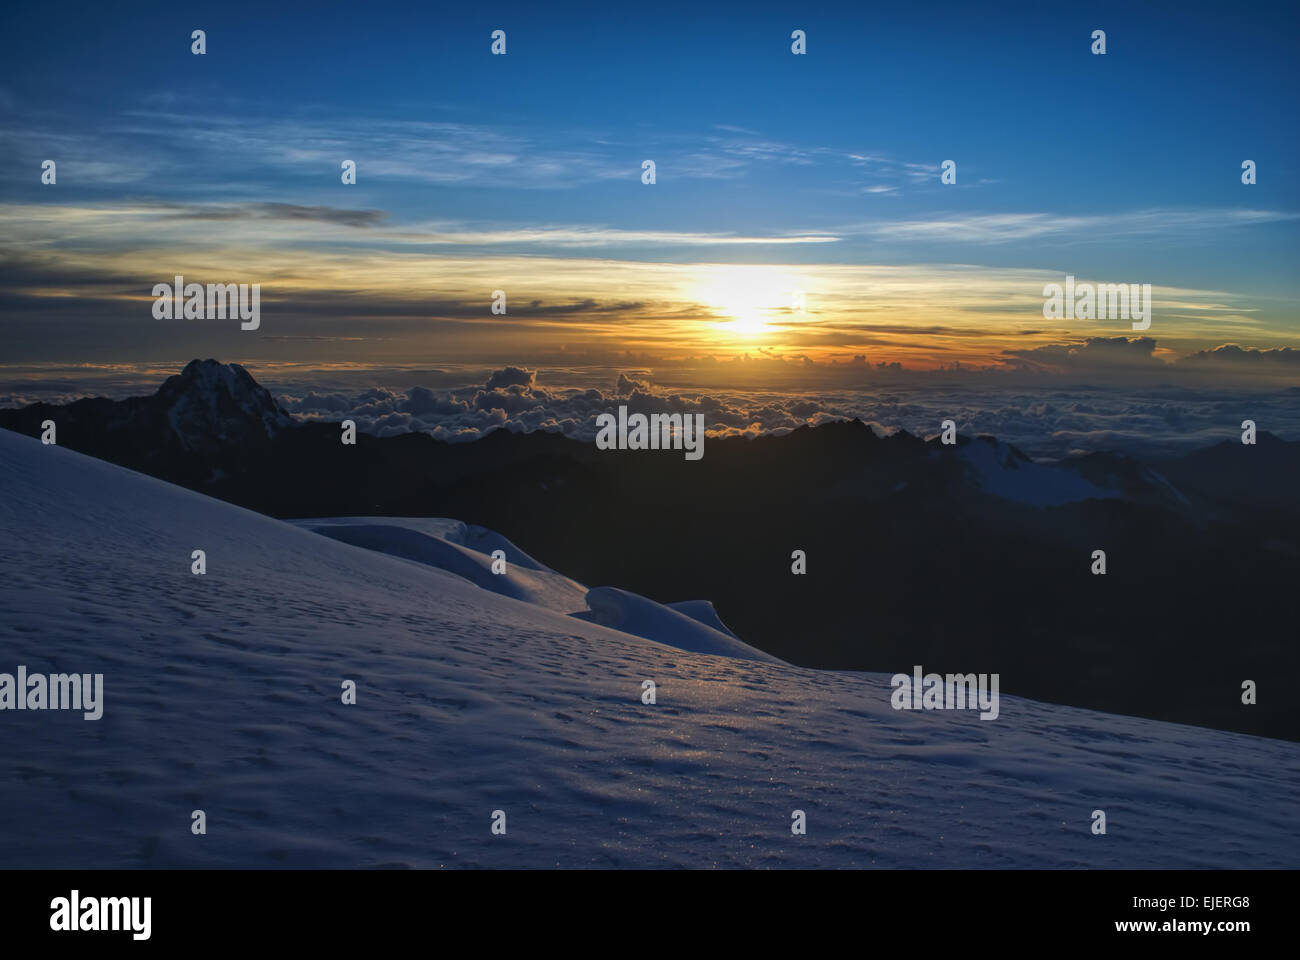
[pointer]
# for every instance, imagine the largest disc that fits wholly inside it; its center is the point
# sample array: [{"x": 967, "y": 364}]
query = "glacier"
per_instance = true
[{"x": 222, "y": 693}]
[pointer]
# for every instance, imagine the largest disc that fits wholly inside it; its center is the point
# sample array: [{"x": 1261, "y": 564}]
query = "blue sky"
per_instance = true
[{"x": 1121, "y": 168}]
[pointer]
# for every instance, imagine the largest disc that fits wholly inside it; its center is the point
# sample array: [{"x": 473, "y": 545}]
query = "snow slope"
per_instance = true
[{"x": 222, "y": 693}]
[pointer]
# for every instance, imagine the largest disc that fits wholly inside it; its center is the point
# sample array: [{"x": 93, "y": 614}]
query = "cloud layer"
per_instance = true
[{"x": 1045, "y": 422}]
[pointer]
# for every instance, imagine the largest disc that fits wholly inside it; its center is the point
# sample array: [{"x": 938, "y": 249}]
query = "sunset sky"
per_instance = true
[{"x": 775, "y": 173}]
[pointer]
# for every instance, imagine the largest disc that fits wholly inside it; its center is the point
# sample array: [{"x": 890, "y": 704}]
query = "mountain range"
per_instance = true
[{"x": 969, "y": 557}]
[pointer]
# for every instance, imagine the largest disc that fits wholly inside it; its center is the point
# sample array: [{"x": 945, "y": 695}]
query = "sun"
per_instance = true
[
  {"x": 745, "y": 318},
  {"x": 748, "y": 300}
]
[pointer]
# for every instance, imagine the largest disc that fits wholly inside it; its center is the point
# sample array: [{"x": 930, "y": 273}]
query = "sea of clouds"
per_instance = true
[
  {"x": 1045, "y": 422},
  {"x": 1104, "y": 394}
]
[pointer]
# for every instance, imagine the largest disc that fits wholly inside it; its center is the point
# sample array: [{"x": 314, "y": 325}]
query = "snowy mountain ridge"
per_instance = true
[{"x": 466, "y": 551}]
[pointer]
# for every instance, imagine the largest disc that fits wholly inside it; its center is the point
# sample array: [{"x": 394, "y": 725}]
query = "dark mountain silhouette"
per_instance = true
[
  {"x": 198, "y": 425},
  {"x": 1232, "y": 474},
  {"x": 966, "y": 558}
]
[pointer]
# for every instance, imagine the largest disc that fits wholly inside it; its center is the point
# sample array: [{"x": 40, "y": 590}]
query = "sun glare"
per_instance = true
[{"x": 747, "y": 300}]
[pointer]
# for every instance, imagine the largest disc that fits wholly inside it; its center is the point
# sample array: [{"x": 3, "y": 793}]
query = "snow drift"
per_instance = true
[{"x": 466, "y": 551}]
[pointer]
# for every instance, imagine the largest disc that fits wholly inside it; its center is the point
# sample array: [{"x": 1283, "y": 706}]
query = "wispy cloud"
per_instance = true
[
  {"x": 148, "y": 223},
  {"x": 173, "y": 148},
  {"x": 1010, "y": 227}
]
